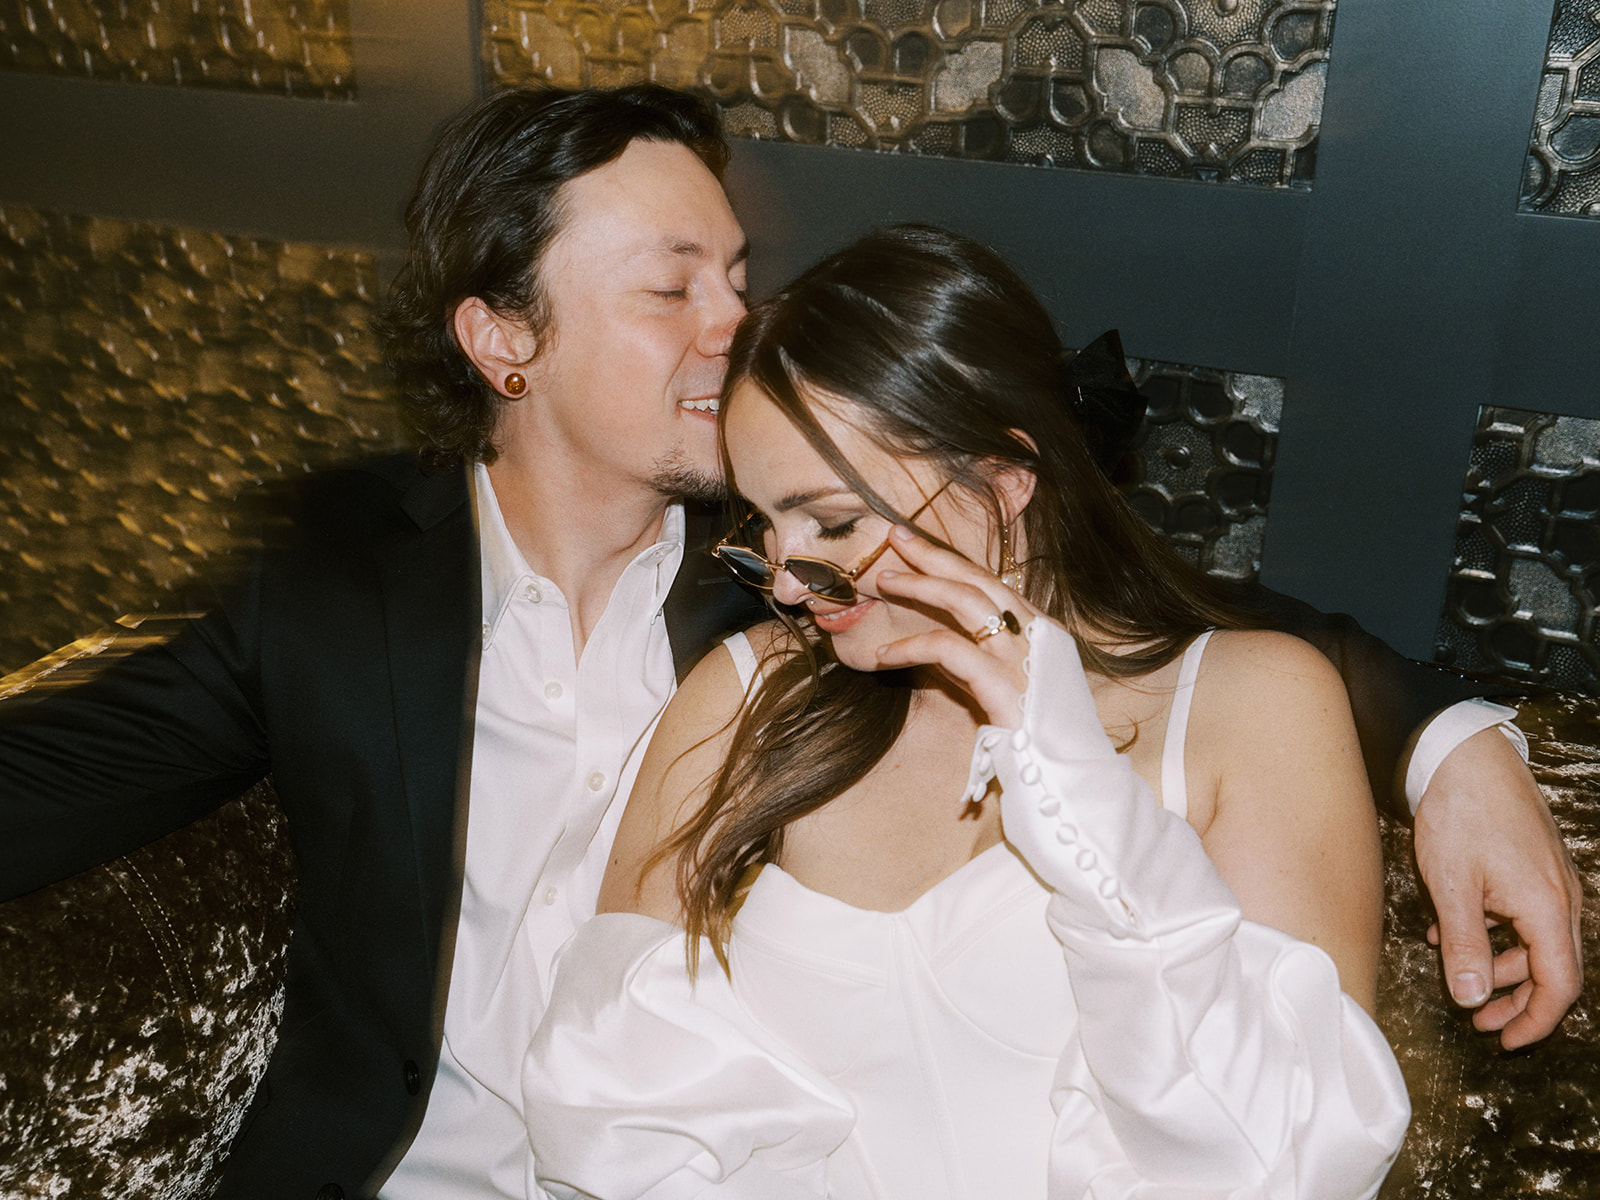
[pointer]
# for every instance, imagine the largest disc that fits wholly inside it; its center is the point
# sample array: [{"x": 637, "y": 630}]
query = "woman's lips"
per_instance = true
[{"x": 842, "y": 619}]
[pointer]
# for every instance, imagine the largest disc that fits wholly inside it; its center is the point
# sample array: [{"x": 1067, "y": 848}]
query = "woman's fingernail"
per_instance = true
[
  {"x": 902, "y": 533},
  {"x": 890, "y": 573}
]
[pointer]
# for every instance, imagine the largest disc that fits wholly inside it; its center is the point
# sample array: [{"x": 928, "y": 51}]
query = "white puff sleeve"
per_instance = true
[
  {"x": 1214, "y": 1057},
  {"x": 642, "y": 1083}
]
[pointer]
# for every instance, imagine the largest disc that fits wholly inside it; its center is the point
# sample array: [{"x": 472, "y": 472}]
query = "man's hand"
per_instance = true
[{"x": 1489, "y": 852}]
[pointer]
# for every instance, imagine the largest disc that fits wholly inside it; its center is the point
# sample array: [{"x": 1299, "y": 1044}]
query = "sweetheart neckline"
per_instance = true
[{"x": 1000, "y": 848}]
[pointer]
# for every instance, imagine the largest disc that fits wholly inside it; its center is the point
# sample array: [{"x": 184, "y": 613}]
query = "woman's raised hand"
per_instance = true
[{"x": 984, "y": 650}]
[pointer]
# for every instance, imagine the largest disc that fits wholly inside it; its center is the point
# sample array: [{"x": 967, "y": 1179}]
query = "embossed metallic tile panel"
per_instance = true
[
  {"x": 1205, "y": 454},
  {"x": 287, "y": 47},
  {"x": 147, "y": 374},
  {"x": 1208, "y": 89},
  {"x": 1563, "y": 167},
  {"x": 1526, "y": 578}
]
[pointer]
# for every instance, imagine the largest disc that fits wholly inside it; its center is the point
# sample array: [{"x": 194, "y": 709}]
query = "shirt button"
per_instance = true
[
  {"x": 552, "y": 691},
  {"x": 532, "y": 592},
  {"x": 486, "y": 632},
  {"x": 413, "y": 1077},
  {"x": 550, "y": 894},
  {"x": 597, "y": 781},
  {"x": 330, "y": 1191}
]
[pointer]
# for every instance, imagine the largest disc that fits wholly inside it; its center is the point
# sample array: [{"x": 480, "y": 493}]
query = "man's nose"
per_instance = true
[{"x": 723, "y": 315}]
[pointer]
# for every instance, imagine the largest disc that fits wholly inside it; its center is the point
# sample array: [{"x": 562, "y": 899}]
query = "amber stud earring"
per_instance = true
[{"x": 515, "y": 385}]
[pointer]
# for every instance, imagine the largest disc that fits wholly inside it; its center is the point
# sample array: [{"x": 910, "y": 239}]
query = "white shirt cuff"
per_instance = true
[{"x": 1447, "y": 731}]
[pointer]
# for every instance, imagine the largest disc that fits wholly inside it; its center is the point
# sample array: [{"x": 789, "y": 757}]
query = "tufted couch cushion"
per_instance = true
[{"x": 140, "y": 1004}]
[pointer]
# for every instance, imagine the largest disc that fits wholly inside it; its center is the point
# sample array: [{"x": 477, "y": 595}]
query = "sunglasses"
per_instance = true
[{"x": 821, "y": 578}]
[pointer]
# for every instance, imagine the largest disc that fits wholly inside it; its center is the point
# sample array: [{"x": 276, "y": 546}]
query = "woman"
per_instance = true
[{"x": 1019, "y": 882}]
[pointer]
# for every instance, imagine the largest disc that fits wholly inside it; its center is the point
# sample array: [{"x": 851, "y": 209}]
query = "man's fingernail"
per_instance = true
[{"x": 1469, "y": 988}]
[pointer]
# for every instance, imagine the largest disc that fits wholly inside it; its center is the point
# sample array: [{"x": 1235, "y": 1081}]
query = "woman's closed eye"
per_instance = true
[
  {"x": 837, "y": 533},
  {"x": 758, "y": 530}
]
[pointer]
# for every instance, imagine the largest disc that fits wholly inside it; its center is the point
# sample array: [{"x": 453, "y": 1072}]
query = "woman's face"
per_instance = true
[{"x": 810, "y": 511}]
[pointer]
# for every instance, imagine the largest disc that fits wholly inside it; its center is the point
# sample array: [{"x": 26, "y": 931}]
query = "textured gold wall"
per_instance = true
[
  {"x": 146, "y": 375},
  {"x": 1217, "y": 90},
  {"x": 287, "y": 47}
]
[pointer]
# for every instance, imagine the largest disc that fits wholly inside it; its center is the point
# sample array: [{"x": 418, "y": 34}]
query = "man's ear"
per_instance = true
[{"x": 497, "y": 345}]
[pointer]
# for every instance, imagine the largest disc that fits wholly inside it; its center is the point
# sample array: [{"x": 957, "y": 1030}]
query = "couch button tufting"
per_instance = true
[
  {"x": 413, "y": 1077},
  {"x": 330, "y": 1191}
]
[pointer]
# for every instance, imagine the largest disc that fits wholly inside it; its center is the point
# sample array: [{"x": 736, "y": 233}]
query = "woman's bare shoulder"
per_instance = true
[
  {"x": 772, "y": 640},
  {"x": 686, "y": 751},
  {"x": 688, "y": 746},
  {"x": 1260, "y": 668},
  {"x": 1279, "y": 795}
]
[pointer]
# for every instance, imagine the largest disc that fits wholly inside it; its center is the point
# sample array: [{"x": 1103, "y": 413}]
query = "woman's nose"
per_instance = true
[{"x": 786, "y": 589}]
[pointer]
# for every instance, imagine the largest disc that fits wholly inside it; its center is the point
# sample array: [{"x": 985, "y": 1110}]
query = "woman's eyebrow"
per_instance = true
[{"x": 797, "y": 499}]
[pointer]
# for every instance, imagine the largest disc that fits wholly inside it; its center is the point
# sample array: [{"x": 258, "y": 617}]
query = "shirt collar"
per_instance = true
[{"x": 506, "y": 573}]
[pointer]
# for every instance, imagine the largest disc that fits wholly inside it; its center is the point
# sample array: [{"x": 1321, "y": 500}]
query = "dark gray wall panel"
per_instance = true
[
  {"x": 1549, "y": 329},
  {"x": 255, "y": 165},
  {"x": 1190, "y": 272},
  {"x": 1410, "y": 250}
]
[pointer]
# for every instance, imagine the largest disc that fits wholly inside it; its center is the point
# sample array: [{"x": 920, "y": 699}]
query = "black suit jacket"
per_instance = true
[{"x": 343, "y": 661}]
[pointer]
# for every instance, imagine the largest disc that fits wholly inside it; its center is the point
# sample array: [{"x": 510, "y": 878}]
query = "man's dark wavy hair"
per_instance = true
[{"x": 486, "y": 208}]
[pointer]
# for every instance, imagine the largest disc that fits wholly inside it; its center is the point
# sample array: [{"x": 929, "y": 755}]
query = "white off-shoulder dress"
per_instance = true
[{"x": 1080, "y": 1011}]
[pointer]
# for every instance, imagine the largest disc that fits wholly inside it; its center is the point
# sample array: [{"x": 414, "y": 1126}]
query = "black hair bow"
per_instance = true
[{"x": 1106, "y": 401}]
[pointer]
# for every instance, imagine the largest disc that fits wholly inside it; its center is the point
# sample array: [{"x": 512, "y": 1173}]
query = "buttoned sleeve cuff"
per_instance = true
[{"x": 1083, "y": 819}]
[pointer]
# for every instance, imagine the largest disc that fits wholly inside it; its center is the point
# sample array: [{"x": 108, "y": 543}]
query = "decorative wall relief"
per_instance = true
[
  {"x": 287, "y": 47},
  {"x": 1227, "y": 90},
  {"x": 148, "y": 374},
  {"x": 1205, "y": 454},
  {"x": 1563, "y": 166},
  {"x": 1523, "y": 598}
]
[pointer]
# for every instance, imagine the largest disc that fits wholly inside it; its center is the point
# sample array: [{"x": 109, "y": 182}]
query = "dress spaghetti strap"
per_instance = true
[{"x": 1174, "y": 785}]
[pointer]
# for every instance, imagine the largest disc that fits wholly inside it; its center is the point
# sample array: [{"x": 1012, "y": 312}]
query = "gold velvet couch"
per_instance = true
[{"x": 139, "y": 1005}]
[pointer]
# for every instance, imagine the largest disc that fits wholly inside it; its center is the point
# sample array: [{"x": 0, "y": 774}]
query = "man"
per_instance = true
[
  {"x": 500, "y": 631},
  {"x": 579, "y": 249}
]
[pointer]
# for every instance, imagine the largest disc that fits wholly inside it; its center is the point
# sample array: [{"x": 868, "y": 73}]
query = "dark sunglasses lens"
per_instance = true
[
  {"x": 746, "y": 565},
  {"x": 822, "y": 579}
]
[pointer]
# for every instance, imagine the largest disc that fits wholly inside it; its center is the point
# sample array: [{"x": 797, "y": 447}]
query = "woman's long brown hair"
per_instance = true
[{"x": 943, "y": 354}]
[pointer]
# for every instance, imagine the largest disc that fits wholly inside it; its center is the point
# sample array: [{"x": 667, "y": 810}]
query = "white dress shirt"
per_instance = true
[
  {"x": 1449, "y": 729},
  {"x": 555, "y": 742}
]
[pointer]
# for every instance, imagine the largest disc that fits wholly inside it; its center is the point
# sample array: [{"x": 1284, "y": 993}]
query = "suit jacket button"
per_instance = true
[
  {"x": 413, "y": 1077},
  {"x": 330, "y": 1191}
]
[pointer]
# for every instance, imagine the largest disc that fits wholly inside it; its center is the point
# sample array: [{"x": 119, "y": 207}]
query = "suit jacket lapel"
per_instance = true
[
  {"x": 433, "y": 618},
  {"x": 704, "y": 604}
]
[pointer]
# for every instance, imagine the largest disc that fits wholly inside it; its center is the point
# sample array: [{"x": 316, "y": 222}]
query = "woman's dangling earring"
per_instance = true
[
  {"x": 1010, "y": 572},
  {"x": 515, "y": 385}
]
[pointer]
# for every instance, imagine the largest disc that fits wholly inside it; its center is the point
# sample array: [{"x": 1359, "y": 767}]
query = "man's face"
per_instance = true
[{"x": 645, "y": 283}]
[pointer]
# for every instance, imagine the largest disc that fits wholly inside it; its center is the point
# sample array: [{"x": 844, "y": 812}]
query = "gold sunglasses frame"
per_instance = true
[{"x": 724, "y": 550}]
